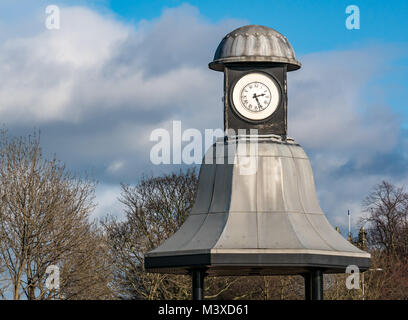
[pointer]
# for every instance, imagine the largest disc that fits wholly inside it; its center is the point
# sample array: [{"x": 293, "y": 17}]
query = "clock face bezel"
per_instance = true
[{"x": 256, "y": 76}]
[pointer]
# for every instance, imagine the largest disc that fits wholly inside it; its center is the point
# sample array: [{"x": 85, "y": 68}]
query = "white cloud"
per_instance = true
[
  {"x": 42, "y": 71},
  {"x": 115, "y": 166},
  {"x": 107, "y": 202},
  {"x": 328, "y": 108},
  {"x": 94, "y": 62}
]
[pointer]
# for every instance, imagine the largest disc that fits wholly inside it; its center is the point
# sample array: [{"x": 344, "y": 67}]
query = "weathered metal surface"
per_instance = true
[
  {"x": 254, "y": 44},
  {"x": 269, "y": 220},
  {"x": 204, "y": 190}
]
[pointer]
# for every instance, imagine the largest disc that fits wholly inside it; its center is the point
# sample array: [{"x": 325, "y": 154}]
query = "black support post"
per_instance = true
[
  {"x": 198, "y": 283},
  {"x": 313, "y": 285},
  {"x": 317, "y": 284}
]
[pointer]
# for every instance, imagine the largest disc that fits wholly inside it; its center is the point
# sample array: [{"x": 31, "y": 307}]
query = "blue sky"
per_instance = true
[
  {"x": 86, "y": 86},
  {"x": 311, "y": 25}
]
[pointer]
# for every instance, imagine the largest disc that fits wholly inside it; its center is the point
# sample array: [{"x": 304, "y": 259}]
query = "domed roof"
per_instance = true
[{"x": 254, "y": 43}]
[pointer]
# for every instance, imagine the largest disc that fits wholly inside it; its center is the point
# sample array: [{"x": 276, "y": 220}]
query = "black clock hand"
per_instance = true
[{"x": 256, "y": 98}]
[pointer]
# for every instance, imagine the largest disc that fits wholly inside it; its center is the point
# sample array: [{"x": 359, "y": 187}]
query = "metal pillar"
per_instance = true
[
  {"x": 313, "y": 285},
  {"x": 317, "y": 284},
  {"x": 198, "y": 283}
]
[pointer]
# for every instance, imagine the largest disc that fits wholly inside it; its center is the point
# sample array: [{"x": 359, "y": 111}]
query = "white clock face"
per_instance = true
[{"x": 256, "y": 96}]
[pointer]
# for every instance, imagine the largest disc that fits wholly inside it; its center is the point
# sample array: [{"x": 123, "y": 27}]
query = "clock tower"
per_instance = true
[
  {"x": 255, "y": 60},
  {"x": 265, "y": 221}
]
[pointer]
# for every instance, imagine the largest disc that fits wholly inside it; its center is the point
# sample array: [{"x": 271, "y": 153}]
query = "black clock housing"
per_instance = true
[{"x": 276, "y": 123}]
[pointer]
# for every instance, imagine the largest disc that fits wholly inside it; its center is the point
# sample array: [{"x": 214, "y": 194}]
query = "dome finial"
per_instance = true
[{"x": 254, "y": 43}]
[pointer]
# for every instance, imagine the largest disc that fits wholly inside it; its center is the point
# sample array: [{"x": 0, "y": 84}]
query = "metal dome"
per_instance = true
[{"x": 254, "y": 43}]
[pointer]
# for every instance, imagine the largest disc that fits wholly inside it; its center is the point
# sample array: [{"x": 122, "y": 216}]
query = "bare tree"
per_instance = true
[
  {"x": 154, "y": 208},
  {"x": 44, "y": 220},
  {"x": 387, "y": 216},
  {"x": 86, "y": 273},
  {"x": 276, "y": 287},
  {"x": 386, "y": 210}
]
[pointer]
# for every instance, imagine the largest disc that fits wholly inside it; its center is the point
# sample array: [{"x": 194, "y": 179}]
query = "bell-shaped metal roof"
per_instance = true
[
  {"x": 264, "y": 221},
  {"x": 254, "y": 43}
]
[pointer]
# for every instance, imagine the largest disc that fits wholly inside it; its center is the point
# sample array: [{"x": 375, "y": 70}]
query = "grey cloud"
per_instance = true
[
  {"x": 179, "y": 38},
  {"x": 353, "y": 142},
  {"x": 110, "y": 106}
]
